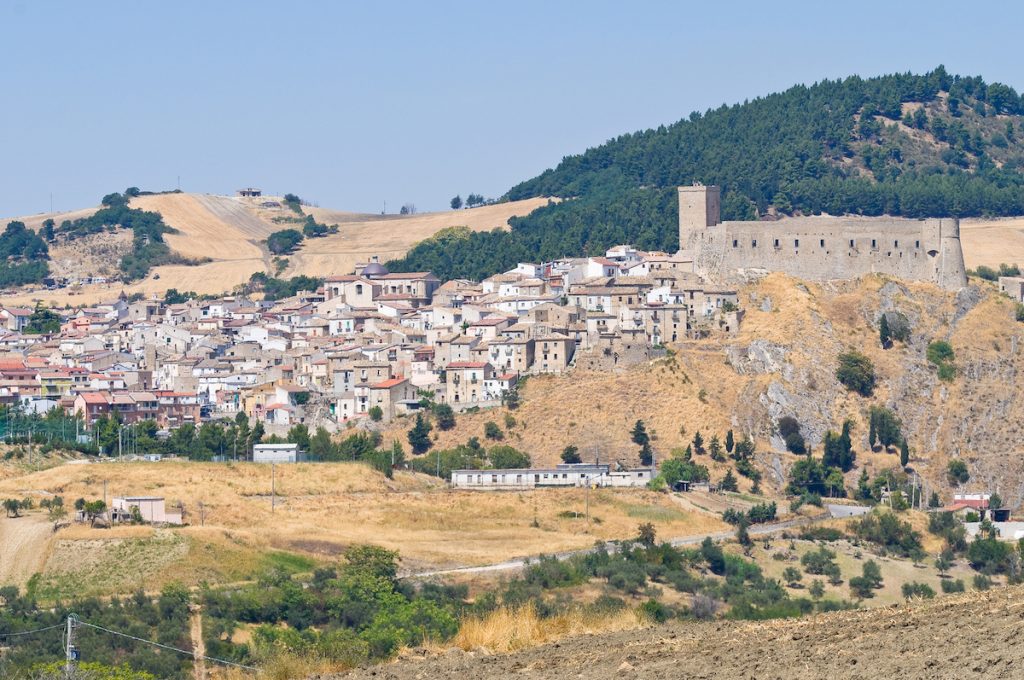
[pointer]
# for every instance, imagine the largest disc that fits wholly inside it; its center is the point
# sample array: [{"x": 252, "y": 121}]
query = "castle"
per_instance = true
[{"x": 819, "y": 248}]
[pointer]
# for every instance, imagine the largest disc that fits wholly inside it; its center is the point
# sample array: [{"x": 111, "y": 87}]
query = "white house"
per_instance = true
[{"x": 275, "y": 453}]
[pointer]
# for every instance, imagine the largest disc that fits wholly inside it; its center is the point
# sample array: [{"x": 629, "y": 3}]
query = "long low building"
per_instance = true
[{"x": 563, "y": 475}]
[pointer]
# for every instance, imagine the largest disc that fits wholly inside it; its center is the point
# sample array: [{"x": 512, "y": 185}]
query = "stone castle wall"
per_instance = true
[{"x": 824, "y": 248}]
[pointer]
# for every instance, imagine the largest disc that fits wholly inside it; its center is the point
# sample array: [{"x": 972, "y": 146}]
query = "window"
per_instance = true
[
  {"x": 776, "y": 243},
  {"x": 851, "y": 243},
  {"x": 796, "y": 243},
  {"x": 735, "y": 243},
  {"x": 359, "y": 289},
  {"x": 821, "y": 243},
  {"x": 917, "y": 244},
  {"x": 874, "y": 243},
  {"x": 896, "y": 244}
]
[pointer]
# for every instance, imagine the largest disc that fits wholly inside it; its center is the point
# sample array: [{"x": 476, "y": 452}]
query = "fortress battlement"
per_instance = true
[{"x": 819, "y": 248}]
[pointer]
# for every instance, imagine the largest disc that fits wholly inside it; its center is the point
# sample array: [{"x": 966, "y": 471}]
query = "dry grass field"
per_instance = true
[
  {"x": 320, "y": 510},
  {"x": 229, "y": 231},
  {"x": 992, "y": 242}
]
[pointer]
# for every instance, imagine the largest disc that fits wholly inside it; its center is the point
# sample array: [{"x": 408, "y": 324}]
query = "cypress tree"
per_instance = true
[
  {"x": 904, "y": 453},
  {"x": 884, "y": 333},
  {"x": 729, "y": 441}
]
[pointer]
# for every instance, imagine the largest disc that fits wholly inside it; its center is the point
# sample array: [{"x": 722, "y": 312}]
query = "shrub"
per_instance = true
[
  {"x": 792, "y": 576},
  {"x": 507, "y": 457},
  {"x": 655, "y": 611},
  {"x": 957, "y": 472},
  {"x": 376, "y": 413},
  {"x": 886, "y": 530},
  {"x": 856, "y": 373},
  {"x": 818, "y": 561},
  {"x": 444, "y": 416},
  {"x": 982, "y": 582},
  {"x": 789, "y": 430},
  {"x": 939, "y": 352},
  {"x": 284, "y": 242},
  {"x": 916, "y": 589},
  {"x": 492, "y": 431},
  {"x": 704, "y": 607},
  {"x": 571, "y": 454},
  {"x": 861, "y": 587},
  {"x": 951, "y": 586},
  {"x": 827, "y": 534}
]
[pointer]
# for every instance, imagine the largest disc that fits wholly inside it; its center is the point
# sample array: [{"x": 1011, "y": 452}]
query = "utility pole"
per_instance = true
[
  {"x": 273, "y": 488},
  {"x": 588, "y": 504},
  {"x": 70, "y": 651}
]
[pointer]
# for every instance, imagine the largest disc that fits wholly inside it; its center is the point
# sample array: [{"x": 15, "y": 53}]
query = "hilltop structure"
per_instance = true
[{"x": 818, "y": 248}]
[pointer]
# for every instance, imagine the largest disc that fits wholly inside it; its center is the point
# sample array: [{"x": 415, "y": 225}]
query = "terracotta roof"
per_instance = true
[{"x": 388, "y": 384}]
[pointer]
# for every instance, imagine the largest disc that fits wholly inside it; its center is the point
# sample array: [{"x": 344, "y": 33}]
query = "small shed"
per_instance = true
[
  {"x": 151, "y": 508},
  {"x": 250, "y": 192},
  {"x": 275, "y": 453}
]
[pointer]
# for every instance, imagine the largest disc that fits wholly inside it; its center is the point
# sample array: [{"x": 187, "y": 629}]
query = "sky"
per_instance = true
[{"x": 354, "y": 105}]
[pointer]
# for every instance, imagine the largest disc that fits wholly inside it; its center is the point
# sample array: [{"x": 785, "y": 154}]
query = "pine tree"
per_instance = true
[
  {"x": 646, "y": 454},
  {"x": 715, "y": 449},
  {"x": 639, "y": 434},
  {"x": 698, "y": 443},
  {"x": 729, "y": 441},
  {"x": 728, "y": 482},
  {"x": 904, "y": 454},
  {"x": 419, "y": 435}
]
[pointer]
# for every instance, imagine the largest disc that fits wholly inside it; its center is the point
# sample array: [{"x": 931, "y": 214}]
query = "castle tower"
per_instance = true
[
  {"x": 952, "y": 272},
  {"x": 699, "y": 208}
]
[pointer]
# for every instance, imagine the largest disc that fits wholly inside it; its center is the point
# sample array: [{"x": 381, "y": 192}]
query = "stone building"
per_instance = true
[{"x": 819, "y": 248}]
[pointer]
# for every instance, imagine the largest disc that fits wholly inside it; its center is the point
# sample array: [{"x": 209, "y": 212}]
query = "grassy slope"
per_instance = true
[{"x": 321, "y": 510}]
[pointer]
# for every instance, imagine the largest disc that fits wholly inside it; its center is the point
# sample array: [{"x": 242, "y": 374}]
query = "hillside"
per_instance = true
[
  {"x": 320, "y": 510},
  {"x": 917, "y": 146},
  {"x": 226, "y": 234},
  {"x": 783, "y": 363},
  {"x": 923, "y": 639}
]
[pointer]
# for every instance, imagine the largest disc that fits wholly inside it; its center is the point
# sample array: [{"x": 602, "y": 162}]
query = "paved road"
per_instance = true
[{"x": 520, "y": 562}]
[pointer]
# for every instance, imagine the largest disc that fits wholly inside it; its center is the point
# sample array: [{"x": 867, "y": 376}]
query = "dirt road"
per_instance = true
[
  {"x": 23, "y": 542},
  {"x": 967, "y": 636},
  {"x": 696, "y": 539}
]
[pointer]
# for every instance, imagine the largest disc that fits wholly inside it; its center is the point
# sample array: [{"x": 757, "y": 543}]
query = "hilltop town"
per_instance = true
[{"x": 364, "y": 345}]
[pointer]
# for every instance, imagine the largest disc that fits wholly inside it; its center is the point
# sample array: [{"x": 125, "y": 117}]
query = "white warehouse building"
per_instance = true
[{"x": 565, "y": 474}]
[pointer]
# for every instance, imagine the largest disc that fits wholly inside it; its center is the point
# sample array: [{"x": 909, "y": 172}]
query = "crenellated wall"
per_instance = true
[{"x": 822, "y": 248}]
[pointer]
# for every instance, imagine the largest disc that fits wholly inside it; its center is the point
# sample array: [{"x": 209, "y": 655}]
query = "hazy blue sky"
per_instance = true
[{"x": 352, "y": 104}]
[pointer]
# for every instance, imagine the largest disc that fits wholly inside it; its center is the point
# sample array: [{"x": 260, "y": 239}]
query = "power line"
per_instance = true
[
  {"x": 30, "y": 632},
  {"x": 167, "y": 647}
]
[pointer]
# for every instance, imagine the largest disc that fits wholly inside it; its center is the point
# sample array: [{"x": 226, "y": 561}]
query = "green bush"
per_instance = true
[
  {"x": 951, "y": 586},
  {"x": 916, "y": 589},
  {"x": 856, "y": 373},
  {"x": 284, "y": 242}
]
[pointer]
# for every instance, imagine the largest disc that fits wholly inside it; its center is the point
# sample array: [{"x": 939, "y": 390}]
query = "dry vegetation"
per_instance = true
[
  {"x": 229, "y": 231},
  {"x": 976, "y": 416},
  {"x": 321, "y": 509}
]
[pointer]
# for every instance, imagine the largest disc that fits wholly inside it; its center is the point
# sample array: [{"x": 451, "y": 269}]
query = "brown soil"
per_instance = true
[{"x": 968, "y": 636}]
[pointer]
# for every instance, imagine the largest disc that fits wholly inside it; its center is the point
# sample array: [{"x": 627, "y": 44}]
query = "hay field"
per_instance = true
[
  {"x": 992, "y": 242},
  {"x": 390, "y": 237},
  {"x": 230, "y": 231},
  {"x": 323, "y": 508}
]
